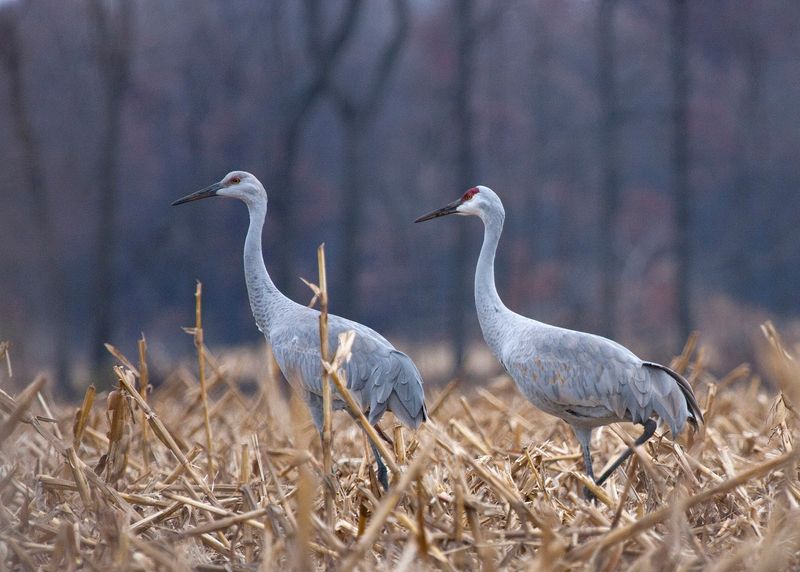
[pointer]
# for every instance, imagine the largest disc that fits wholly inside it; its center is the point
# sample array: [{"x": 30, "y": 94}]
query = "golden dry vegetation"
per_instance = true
[{"x": 124, "y": 481}]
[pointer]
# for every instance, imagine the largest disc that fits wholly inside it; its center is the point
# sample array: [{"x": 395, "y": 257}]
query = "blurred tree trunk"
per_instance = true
[
  {"x": 324, "y": 55},
  {"x": 544, "y": 216},
  {"x": 113, "y": 26},
  {"x": 749, "y": 153},
  {"x": 540, "y": 63},
  {"x": 36, "y": 188},
  {"x": 465, "y": 171},
  {"x": 609, "y": 163},
  {"x": 357, "y": 116},
  {"x": 680, "y": 164}
]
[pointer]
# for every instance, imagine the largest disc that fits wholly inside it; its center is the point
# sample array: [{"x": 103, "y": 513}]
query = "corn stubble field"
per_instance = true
[{"x": 124, "y": 481}]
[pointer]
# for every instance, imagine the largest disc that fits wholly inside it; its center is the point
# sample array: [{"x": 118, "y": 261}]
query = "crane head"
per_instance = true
[
  {"x": 236, "y": 184},
  {"x": 476, "y": 201}
]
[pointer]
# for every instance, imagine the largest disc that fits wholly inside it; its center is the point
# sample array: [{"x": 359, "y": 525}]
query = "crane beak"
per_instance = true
[
  {"x": 201, "y": 194},
  {"x": 445, "y": 210}
]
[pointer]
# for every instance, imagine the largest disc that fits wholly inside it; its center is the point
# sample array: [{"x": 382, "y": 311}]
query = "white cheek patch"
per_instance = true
[{"x": 466, "y": 209}]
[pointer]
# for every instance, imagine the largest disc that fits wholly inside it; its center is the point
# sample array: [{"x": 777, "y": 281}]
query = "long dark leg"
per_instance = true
[
  {"x": 587, "y": 460},
  {"x": 382, "y": 435},
  {"x": 587, "y": 464},
  {"x": 584, "y": 437},
  {"x": 383, "y": 474},
  {"x": 649, "y": 429}
]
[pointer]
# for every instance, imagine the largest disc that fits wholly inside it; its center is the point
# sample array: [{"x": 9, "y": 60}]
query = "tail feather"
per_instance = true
[
  {"x": 695, "y": 414},
  {"x": 406, "y": 417}
]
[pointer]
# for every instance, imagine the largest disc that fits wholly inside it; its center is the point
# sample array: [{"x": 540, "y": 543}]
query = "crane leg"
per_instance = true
[
  {"x": 584, "y": 438},
  {"x": 587, "y": 464},
  {"x": 649, "y": 429},
  {"x": 587, "y": 461},
  {"x": 383, "y": 435},
  {"x": 383, "y": 474}
]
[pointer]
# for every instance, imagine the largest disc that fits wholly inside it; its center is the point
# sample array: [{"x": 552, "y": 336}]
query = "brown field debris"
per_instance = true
[{"x": 489, "y": 483}]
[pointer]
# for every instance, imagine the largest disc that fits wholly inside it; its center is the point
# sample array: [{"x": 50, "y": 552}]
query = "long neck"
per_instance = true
[
  {"x": 492, "y": 313},
  {"x": 265, "y": 298}
]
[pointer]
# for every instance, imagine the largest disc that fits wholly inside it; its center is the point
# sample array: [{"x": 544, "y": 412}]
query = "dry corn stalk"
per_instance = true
[
  {"x": 82, "y": 416},
  {"x": 729, "y": 500},
  {"x": 115, "y": 460}
]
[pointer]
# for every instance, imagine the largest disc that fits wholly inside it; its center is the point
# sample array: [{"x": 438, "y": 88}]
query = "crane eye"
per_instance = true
[
  {"x": 235, "y": 181},
  {"x": 469, "y": 194}
]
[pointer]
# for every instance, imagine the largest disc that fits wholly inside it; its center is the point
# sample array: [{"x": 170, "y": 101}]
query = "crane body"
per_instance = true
[
  {"x": 380, "y": 377},
  {"x": 584, "y": 379}
]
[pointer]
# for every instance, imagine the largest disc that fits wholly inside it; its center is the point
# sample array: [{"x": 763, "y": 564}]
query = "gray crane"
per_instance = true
[
  {"x": 380, "y": 377},
  {"x": 584, "y": 379}
]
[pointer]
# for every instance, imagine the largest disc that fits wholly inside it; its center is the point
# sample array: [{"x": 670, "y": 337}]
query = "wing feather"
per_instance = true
[
  {"x": 686, "y": 390},
  {"x": 583, "y": 377},
  {"x": 380, "y": 377}
]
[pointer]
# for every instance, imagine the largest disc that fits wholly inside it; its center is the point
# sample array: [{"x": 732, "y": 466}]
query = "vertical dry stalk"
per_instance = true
[
  {"x": 144, "y": 381},
  {"x": 244, "y": 468},
  {"x": 681, "y": 362},
  {"x": 82, "y": 416},
  {"x": 422, "y": 541},
  {"x": 201, "y": 363},
  {"x": 244, "y": 478},
  {"x": 399, "y": 444},
  {"x": 262, "y": 481},
  {"x": 116, "y": 458},
  {"x": 305, "y": 508},
  {"x": 80, "y": 479},
  {"x": 363, "y": 516},
  {"x": 327, "y": 435}
]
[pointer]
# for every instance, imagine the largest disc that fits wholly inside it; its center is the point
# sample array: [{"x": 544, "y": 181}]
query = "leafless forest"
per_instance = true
[{"x": 646, "y": 153}]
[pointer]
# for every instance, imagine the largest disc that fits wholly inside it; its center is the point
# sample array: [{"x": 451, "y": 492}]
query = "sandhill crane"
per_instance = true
[
  {"x": 380, "y": 377},
  {"x": 584, "y": 379}
]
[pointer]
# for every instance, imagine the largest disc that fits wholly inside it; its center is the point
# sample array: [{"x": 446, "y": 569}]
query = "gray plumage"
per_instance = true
[
  {"x": 380, "y": 377},
  {"x": 584, "y": 379}
]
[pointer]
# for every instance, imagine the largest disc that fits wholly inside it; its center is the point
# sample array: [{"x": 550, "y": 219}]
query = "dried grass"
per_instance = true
[{"x": 489, "y": 483}]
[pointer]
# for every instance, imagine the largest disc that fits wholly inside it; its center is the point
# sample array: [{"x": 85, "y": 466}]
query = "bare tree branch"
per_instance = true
[
  {"x": 113, "y": 32},
  {"x": 356, "y": 115},
  {"x": 324, "y": 55},
  {"x": 609, "y": 151},
  {"x": 386, "y": 62}
]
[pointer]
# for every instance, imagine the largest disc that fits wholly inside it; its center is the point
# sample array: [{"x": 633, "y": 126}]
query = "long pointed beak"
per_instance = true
[
  {"x": 210, "y": 191},
  {"x": 445, "y": 210}
]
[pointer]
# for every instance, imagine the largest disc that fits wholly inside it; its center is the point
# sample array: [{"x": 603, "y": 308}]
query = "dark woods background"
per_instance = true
[{"x": 646, "y": 153}]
